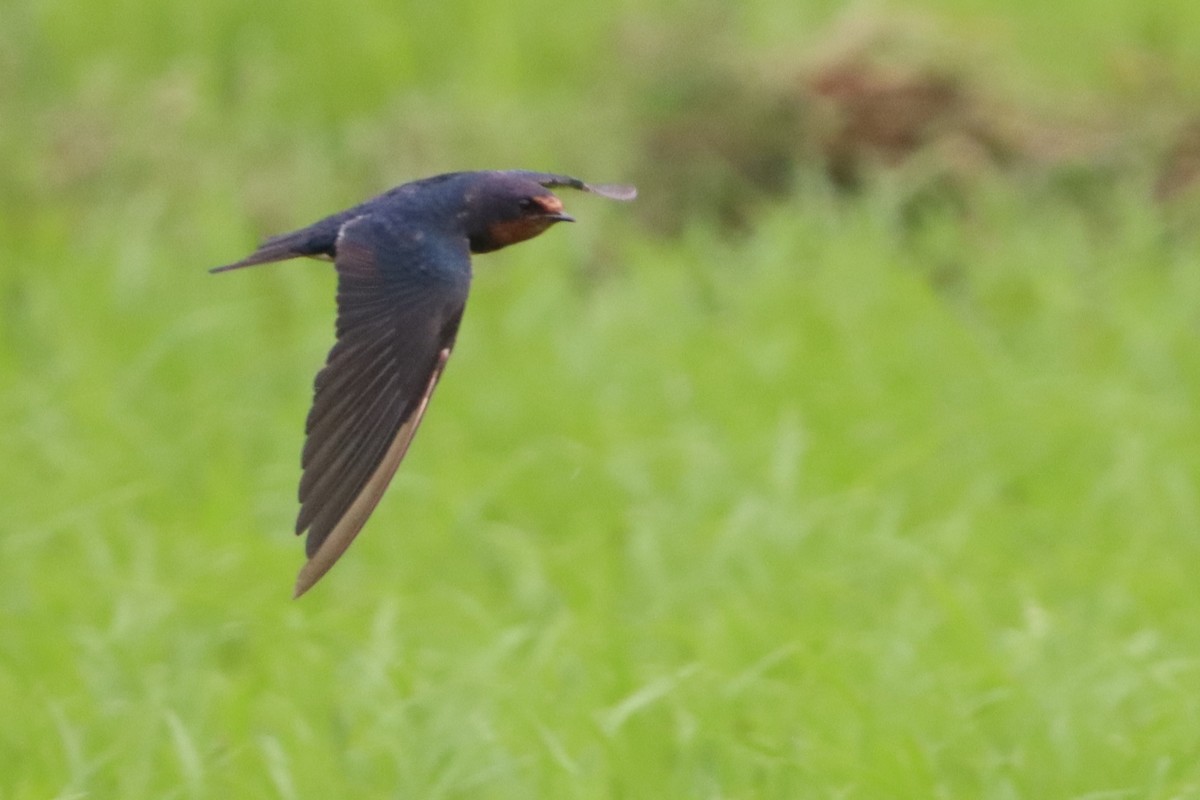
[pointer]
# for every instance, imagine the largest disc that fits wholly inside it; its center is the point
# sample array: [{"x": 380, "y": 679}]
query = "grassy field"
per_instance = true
[{"x": 836, "y": 506}]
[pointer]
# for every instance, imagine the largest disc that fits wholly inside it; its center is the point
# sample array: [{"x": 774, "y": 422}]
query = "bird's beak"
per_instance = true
[{"x": 552, "y": 209}]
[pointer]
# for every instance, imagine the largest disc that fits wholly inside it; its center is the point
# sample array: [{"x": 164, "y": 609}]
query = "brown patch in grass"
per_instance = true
[
  {"x": 883, "y": 97},
  {"x": 1180, "y": 169}
]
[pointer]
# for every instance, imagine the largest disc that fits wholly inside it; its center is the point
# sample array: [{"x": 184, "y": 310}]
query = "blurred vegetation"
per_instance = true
[{"x": 857, "y": 458}]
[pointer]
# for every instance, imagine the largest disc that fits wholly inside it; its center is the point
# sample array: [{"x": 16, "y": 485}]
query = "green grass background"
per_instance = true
[{"x": 781, "y": 515}]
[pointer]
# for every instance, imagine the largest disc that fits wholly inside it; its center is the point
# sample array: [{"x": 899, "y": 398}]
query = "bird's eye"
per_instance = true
[{"x": 529, "y": 204}]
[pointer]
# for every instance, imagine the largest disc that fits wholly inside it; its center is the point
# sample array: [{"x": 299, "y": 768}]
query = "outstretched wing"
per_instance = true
[
  {"x": 401, "y": 294},
  {"x": 613, "y": 191}
]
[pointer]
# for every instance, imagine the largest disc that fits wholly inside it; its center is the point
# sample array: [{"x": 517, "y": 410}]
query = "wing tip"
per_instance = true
[
  {"x": 320, "y": 560},
  {"x": 613, "y": 191},
  {"x": 306, "y": 579},
  {"x": 623, "y": 192}
]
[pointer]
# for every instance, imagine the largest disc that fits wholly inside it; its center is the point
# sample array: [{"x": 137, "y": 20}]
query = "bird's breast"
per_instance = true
[{"x": 502, "y": 234}]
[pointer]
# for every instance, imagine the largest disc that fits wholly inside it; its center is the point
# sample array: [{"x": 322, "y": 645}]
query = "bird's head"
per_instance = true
[{"x": 504, "y": 208}]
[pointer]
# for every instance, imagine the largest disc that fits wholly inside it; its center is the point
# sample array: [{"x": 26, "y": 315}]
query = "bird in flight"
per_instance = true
[{"x": 403, "y": 261}]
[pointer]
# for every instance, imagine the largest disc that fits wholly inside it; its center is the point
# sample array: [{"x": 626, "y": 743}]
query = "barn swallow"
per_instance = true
[{"x": 403, "y": 261}]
